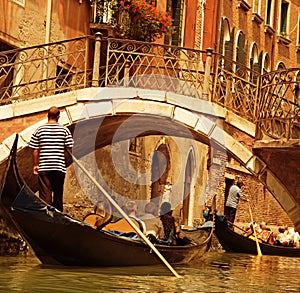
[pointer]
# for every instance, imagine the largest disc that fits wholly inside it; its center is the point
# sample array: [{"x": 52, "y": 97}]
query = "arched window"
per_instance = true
[
  {"x": 241, "y": 48},
  {"x": 160, "y": 168},
  {"x": 253, "y": 60},
  {"x": 266, "y": 63},
  {"x": 225, "y": 38},
  {"x": 226, "y": 44},
  {"x": 280, "y": 66},
  {"x": 254, "y": 63},
  {"x": 188, "y": 196}
]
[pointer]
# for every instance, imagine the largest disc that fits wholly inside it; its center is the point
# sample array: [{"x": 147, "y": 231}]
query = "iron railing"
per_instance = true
[
  {"x": 271, "y": 100},
  {"x": 279, "y": 105},
  {"x": 236, "y": 88},
  {"x": 152, "y": 66},
  {"x": 44, "y": 70}
]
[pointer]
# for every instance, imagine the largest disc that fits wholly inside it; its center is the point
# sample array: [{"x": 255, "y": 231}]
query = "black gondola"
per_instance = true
[
  {"x": 235, "y": 242},
  {"x": 57, "y": 238}
]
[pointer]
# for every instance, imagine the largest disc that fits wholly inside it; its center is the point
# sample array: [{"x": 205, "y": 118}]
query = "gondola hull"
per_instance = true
[
  {"x": 234, "y": 242},
  {"x": 57, "y": 238}
]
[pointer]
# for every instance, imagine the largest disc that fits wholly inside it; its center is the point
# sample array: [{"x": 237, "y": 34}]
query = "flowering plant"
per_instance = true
[{"x": 142, "y": 21}]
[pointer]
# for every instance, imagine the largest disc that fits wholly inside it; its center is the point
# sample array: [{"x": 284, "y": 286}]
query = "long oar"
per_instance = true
[
  {"x": 254, "y": 231},
  {"x": 138, "y": 231},
  {"x": 237, "y": 226}
]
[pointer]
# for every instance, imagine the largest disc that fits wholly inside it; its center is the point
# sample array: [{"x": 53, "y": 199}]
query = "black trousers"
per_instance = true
[
  {"x": 52, "y": 182},
  {"x": 230, "y": 213}
]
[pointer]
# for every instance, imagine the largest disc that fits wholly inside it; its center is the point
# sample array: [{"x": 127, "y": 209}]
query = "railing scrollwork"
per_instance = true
[
  {"x": 272, "y": 100},
  {"x": 279, "y": 105}
]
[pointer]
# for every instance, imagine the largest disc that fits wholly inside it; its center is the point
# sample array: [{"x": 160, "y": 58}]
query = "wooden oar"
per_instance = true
[
  {"x": 236, "y": 226},
  {"x": 138, "y": 231},
  {"x": 254, "y": 232}
]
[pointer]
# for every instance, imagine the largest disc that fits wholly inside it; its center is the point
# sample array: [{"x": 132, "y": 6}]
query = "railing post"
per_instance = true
[
  {"x": 227, "y": 100},
  {"x": 206, "y": 83},
  {"x": 96, "y": 65},
  {"x": 126, "y": 75}
]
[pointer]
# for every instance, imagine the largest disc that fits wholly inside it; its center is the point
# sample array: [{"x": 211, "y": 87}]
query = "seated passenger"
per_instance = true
[
  {"x": 292, "y": 236},
  {"x": 168, "y": 222},
  {"x": 280, "y": 238},
  {"x": 265, "y": 234},
  {"x": 296, "y": 239},
  {"x": 250, "y": 230},
  {"x": 153, "y": 224},
  {"x": 172, "y": 234},
  {"x": 122, "y": 225}
]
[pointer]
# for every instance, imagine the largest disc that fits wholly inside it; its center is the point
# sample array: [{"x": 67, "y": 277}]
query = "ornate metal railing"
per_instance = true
[
  {"x": 279, "y": 105},
  {"x": 44, "y": 70},
  {"x": 236, "y": 87},
  {"x": 152, "y": 66},
  {"x": 271, "y": 101}
]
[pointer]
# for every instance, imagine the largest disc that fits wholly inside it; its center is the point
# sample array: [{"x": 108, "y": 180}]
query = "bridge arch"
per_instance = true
[{"x": 102, "y": 117}]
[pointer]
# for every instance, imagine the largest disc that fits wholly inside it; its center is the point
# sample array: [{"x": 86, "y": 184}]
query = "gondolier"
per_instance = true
[
  {"x": 235, "y": 194},
  {"x": 49, "y": 142}
]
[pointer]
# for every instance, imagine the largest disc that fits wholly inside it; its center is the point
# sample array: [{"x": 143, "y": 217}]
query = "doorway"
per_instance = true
[
  {"x": 160, "y": 168},
  {"x": 187, "y": 188}
]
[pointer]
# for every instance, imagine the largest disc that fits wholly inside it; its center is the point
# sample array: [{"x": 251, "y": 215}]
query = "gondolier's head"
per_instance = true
[
  {"x": 239, "y": 184},
  {"x": 53, "y": 113}
]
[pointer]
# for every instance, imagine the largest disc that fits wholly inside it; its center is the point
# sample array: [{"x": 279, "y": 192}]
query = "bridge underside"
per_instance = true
[
  {"x": 101, "y": 123},
  {"x": 282, "y": 159},
  {"x": 96, "y": 133}
]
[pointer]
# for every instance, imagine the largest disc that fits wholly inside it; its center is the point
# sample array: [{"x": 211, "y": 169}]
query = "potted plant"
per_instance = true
[{"x": 143, "y": 21}]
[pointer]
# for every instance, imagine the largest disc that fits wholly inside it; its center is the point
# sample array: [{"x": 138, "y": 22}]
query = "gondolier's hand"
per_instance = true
[{"x": 36, "y": 170}]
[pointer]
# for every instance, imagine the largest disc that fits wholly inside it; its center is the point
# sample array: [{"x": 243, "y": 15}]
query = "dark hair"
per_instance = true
[
  {"x": 165, "y": 208},
  {"x": 239, "y": 184},
  {"x": 53, "y": 113}
]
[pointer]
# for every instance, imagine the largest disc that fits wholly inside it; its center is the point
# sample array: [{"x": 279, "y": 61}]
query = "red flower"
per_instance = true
[{"x": 144, "y": 21}]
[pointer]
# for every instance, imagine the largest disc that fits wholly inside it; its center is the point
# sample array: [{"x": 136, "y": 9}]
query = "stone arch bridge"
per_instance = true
[
  {"x": 207, "y": 122},
  {"x": 111, "y": 79}
]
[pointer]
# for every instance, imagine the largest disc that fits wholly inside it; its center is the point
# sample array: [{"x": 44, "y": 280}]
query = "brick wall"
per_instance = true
[{"x": 17, "y": 124}]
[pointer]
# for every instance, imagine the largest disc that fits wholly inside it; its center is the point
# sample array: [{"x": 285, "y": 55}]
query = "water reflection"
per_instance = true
[{"x": 215, "y": 272}]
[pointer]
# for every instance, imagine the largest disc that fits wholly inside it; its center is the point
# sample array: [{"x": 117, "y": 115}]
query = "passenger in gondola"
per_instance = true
[
  {"x": 290, "y": 237},
  {"x": 250, "y": 230},
  {"x": 281, "y": 237},
  {"x": 265, "y": 234},
  {"x": 172, "y": 233},
  {"x": 153, "y": 223},
  {"x": 168, "y": 222},
  {"x": 296, "y": 238}
]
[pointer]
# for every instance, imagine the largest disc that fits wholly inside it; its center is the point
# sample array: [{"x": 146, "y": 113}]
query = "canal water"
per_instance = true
[{"x": 214, "y": 272}]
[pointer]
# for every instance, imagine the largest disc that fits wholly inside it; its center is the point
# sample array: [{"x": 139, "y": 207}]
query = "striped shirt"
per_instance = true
[
  {"x": 235, "y": 193},
  {"x": 51, "y": 140}
]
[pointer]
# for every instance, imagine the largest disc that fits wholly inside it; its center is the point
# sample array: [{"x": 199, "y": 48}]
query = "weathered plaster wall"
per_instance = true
[{"x": 24, "y": 26}]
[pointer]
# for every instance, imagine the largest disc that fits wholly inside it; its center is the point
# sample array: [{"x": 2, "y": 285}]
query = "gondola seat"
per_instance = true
[
  {"x": 122, "y": 225},
  {"x": 96, "y": 220}
]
